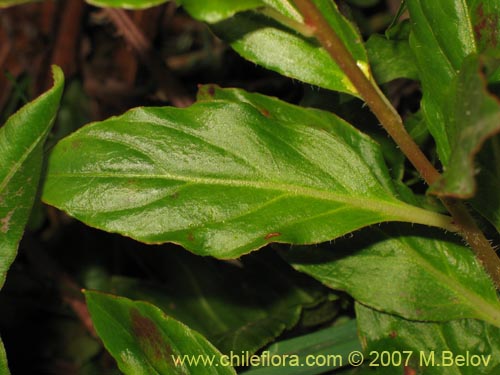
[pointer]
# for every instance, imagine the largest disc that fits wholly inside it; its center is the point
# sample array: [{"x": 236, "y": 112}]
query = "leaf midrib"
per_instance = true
[
  {"x": 395, "y": 209},
  {"x": 17, "y": 165}
]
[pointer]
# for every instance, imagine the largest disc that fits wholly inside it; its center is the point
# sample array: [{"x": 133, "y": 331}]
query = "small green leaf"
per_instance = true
[
  {"x": 399, "y": 270},
  {"x": 212, "y": 11},
  {"x": 460, "y": 347},
  {"x": 474, "y": 117},
  {"x": 390, "y": 59},
  {"x": 223, "y": 178},
  {"x": 266, "y": 42},
  {"x": 286, "y": 8},
  {"x": 266, "y": 297},
  {"x": 332, "y": 345},
  {"x": 143, "y": 340},
  {"x": 21, "y": 153},
  {"x": 127, "y": 4}
]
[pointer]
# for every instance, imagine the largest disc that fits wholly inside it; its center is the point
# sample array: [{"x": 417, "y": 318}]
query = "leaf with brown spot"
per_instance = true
[
  {"x": 266, "y": 298},
  {"x": 272, "y": 235},
  {"x": 143, "y": 340},
  {"x": 304, "y": 173},
  {"x": 149, "y": 337}
]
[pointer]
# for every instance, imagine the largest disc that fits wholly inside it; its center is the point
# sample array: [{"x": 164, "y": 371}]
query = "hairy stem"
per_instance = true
[{"x": 393, "y": 124}]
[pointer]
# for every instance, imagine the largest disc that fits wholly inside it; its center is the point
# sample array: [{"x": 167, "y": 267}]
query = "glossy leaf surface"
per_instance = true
[
  {"x": 21, "y": 154},
  {"x": 399, "y": 270},
  {"x": 269, "y": 43},
  {"x": 143, "y": 340},
  {"x": 459, "y": 347},
  {"x": 223, "y": 178},
  {"x": 266, "y": 296}
]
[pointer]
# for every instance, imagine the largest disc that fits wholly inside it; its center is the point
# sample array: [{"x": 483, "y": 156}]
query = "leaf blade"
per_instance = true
[
  {"x": 21, "y": 148},
  {"x": 278, "y": 46},
  {"x": 170, "y": 175},
  {"x": 398, "y": 271},
  {"x": 432, "y": 345},
  {"x": 143, "y": 340}
]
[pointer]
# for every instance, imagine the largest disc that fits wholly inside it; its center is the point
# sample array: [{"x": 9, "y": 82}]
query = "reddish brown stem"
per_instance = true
[{"x": 393, "y": 124}]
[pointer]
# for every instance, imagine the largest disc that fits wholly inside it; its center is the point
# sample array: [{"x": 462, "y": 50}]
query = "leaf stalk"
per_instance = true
[{"x": 391, "y": 121}]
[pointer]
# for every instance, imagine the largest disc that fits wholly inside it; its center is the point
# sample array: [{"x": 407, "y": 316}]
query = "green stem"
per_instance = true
[{"x": 393, "y": 124}]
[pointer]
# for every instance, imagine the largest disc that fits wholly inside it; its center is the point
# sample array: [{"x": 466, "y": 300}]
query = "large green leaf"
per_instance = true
[
  {"x": 460, "y": 347},
  {"x": 143, "y": 340},
  {"x": 21, "y": 154},
  {"x": 268, "y": 42},
  {"x": 266, "y": 296},
  {"x": 419, "y": 275},
  {"x": 314, "y": 353},
  {"x": 224, "y": 178}
]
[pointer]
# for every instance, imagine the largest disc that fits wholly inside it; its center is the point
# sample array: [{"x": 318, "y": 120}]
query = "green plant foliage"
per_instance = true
[
  {"x": 474, "y": 116},
  {"x": 459, "y": 112},
  {"x": 459, "y": 347},
  {"x": 443, "y": 35},
  {"x": 143, "y": 340},
  {"x": 390, "y": 59},
  {"x": 239, "y": 171},
  {"x": 216, "y": 10},
  {"x": 267, "y": 297},
  {"x": 417, "y": 275},
  {"x": 21, "y": 154},
  {"x": 8, "y": 3},
  {"x": 224, "y": 178},
  {"x": 4, "y": 368},
  {"x": 276, "y": 46},
  {"x": 286, "y": 8},
  {"x": 339, "y": 340},
  {"x": 127, "y": 4}
]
